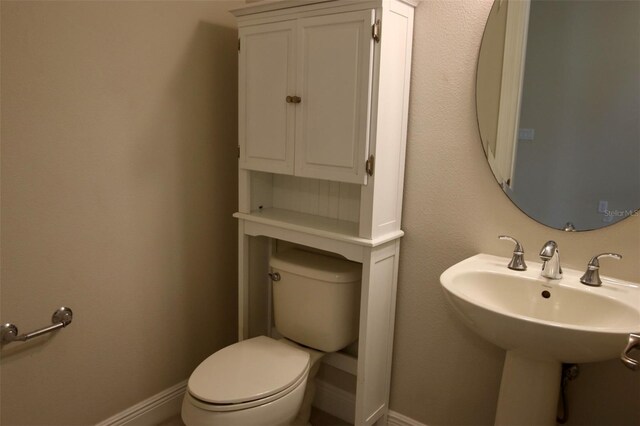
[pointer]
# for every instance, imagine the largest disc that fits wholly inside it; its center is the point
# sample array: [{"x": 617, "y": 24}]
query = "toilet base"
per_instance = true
[
  {"x": 302, "y": 419},
  {"x": 280, "y": 412},
  {"x": 293, "y": 409}
]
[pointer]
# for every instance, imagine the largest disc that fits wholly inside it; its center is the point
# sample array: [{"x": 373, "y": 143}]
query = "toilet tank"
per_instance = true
[{"x": 316, "y": 301}]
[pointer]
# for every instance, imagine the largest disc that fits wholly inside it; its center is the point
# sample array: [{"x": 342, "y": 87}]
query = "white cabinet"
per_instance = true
[
  {"x": 266, "y": 77},
  {"x": 305, "y": 96},
  {"x": 324, "y": 90},
  {"x": 335, "y": 58}
]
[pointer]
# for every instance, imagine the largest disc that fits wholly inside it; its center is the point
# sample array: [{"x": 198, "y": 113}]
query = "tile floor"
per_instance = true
[{"x": 318, "y": 418}]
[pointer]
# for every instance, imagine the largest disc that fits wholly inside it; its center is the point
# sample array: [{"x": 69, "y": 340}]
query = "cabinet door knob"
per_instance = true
[{"x": 293, "y": 99}]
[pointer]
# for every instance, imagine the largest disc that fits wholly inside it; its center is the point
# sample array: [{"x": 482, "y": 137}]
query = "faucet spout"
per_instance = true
[{"x": 550, "y": 256}]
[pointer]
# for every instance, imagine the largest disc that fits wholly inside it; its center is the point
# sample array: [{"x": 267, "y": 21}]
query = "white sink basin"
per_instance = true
[
  {"x": 541, "y": 323},
  {"x": 575, "y": 323}
]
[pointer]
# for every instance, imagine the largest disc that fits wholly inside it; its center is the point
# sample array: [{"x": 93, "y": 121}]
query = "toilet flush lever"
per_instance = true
[{"x": 274, "y": 276}]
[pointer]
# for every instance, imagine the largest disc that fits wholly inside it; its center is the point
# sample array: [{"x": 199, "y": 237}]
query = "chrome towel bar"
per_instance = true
[{"x": 61, "y": 318}]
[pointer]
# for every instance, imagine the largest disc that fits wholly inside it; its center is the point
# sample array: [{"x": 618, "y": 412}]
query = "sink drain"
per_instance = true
[{"x": 546, "y": 294}]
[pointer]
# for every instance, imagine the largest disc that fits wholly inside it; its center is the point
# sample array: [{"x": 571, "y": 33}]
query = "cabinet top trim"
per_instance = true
[
  {"x": 306, "y": 224},
  {"x": 287, "y": 5}
]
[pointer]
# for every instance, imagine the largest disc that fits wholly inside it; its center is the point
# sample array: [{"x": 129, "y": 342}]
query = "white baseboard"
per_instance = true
[
  {"x": 168, "y": 403},
  {"x": 397, "y": 419},
  {"x": 335, "y": 401},
  {"x": 341, "y": 404},
  {"x": 151, "y": 411}
]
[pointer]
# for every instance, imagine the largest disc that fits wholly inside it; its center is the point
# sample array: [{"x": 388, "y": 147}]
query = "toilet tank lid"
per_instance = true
[
  {"x": 317, "y": 266},
  {"x": 248, "y": 370}
]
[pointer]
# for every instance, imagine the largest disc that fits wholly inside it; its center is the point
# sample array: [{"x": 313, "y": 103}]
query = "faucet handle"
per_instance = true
[
  {"x": 594, "y": 260},
  {"x": 592, "y": 275},
  {"x": 517, "y": 260}
]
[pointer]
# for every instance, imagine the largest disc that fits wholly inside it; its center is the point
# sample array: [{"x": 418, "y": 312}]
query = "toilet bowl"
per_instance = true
[
  {"x": 267, "y": 382},
  {"x": 259, "y": 381}
]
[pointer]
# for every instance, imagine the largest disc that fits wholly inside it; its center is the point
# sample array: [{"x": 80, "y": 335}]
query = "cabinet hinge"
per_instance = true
[
  {"x": 238, "y": 45},
  {"x": 376, "y": 31},
  {"x": 369, "y": 165},
  {"x": 238, "y": 151}
]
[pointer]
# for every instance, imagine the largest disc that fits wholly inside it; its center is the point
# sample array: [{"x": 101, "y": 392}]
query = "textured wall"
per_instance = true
[
  {"x": 443, "y": 374},
  {"x": 118, "y": 185}
]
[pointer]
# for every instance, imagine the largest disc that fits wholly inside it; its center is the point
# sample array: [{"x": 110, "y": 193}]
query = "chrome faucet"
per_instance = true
[
  {"x": 592, "y": 275},
  {"x": 550, "y": 256}
]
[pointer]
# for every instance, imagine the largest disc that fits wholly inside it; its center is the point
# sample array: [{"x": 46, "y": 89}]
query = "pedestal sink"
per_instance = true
[{"x": 541, "y": 323}]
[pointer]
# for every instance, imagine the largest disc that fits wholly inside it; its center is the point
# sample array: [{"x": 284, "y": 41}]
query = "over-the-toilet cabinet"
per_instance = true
[
  {"x": 323, "y": 100},
  {"x": 304, "y": 96}
]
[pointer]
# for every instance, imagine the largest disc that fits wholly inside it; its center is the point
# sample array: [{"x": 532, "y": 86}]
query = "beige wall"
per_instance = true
[
  {"x": 443, "y": 374},
  {"x": 118, "y": 184},
  {"x": 118, "y": 181}
]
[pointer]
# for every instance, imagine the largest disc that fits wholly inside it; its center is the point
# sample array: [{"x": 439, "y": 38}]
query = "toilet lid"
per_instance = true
[{"x": 248, "y": 370}]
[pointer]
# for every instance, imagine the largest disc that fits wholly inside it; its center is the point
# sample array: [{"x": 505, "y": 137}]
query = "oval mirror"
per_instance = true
[{"x": 558, "y": 100}]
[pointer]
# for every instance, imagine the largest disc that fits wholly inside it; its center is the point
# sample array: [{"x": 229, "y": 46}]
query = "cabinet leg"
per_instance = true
[
  {"x": 243, "y": 282},
  {"x": 377, "y": 319}
]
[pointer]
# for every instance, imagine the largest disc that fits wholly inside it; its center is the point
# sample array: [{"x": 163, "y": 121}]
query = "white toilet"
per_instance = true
[{"x": 263, "y": 381}]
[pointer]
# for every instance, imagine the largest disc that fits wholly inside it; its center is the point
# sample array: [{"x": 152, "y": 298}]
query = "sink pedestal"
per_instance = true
[{"x": 529, "y": 391}]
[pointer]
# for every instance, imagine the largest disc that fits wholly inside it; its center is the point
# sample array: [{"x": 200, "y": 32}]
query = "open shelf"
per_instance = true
[{"x": 309, "y": 224}]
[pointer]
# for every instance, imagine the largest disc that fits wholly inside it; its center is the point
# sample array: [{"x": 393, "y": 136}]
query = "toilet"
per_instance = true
[{"x": 267, "y": 382}]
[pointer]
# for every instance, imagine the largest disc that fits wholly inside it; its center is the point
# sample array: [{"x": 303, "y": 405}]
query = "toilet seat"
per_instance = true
[{"x": 247, "y": 374}]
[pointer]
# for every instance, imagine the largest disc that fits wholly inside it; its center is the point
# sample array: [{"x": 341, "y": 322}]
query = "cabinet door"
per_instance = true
[
  {"x": 334, "y": 71},
  {"x": 266, "y": 77}
]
